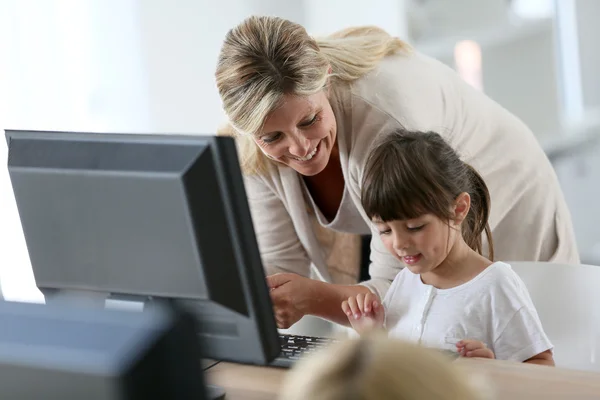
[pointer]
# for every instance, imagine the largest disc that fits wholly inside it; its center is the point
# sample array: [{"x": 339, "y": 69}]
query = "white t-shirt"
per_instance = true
[{"x": 494, "y": 308}]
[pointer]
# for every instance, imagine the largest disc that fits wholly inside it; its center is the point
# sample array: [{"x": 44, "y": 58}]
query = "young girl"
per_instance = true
[{"x": 431, "y": 211}]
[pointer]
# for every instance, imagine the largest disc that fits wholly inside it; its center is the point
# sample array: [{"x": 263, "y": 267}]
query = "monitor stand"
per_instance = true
[
  {"x": 214, "y": 392},
  {"x": 123, "y": 302}
]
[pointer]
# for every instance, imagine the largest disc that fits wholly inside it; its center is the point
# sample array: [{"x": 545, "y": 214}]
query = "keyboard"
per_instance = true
[{"x": 294, "y": 347}]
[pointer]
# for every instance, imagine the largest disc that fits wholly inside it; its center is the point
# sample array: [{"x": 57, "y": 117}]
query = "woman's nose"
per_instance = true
[{"x": 300, "y": 146}]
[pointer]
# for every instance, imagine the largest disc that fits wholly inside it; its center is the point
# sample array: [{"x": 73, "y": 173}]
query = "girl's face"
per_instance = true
[
  {"x": 300, "y": 134},
  {"x": 424, "y": 243}
]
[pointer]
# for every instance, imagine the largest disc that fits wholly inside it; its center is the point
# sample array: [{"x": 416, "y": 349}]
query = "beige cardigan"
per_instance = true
[{"x": 529, "y": 216}]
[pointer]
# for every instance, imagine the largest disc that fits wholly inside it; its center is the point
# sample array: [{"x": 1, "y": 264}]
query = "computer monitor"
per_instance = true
[
  {"x": 147, "y": 218},
  {"x": 71, "y": 352}
]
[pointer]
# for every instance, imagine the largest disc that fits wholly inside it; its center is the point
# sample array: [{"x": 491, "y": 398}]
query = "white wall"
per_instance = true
[
  {"x": 437, "y": 19},
  {"x": 588, "y": 13},
  {"x": 325, "y": 17},
  {"x": 521, "y": 76},
  {"x": 58, "y": 72},
  {"x": 180, "y": 46},
  {"x": 72, "y": 64}
]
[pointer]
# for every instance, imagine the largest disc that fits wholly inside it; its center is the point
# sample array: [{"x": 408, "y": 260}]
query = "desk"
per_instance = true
[{"x": 507, "y": 380}]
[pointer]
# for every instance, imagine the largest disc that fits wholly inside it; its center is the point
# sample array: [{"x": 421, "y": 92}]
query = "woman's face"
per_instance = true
[{"x": 300, "y": 133}]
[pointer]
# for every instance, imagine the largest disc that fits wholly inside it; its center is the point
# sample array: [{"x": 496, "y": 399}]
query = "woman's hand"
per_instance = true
[
  {"x": 474, "y": 348},
  {"x": 292, "y": 296},
  {"x": 365, "y": 312}
]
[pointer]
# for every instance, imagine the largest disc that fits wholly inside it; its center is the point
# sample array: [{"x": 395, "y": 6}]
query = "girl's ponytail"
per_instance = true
[{"x": 477, "y": 219}]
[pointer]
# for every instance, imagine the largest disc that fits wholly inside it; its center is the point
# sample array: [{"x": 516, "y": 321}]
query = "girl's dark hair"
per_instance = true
[{"x": 409, "y": 174}]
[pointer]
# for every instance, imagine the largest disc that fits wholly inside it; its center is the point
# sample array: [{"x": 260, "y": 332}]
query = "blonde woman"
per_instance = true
[
  {"x": 306, "y": 111},
  {"x": 380, "y": 369}
]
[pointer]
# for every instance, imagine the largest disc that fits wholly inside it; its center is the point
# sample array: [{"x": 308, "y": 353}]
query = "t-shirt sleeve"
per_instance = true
[
  {"x": 517, "y": 332},
  {"x": 523, "y": 337}
]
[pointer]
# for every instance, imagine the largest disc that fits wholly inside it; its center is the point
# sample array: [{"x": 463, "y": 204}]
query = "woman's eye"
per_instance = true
[
  {"x": 385, "y": 231},
  {"x": 311, "y": 122},
  {"x": 415, "y": 228},
  {"x": 271, "y": 139}
]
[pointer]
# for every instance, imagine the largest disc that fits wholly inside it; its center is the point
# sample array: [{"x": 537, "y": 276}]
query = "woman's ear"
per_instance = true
[{"x": 462, "y": 205}]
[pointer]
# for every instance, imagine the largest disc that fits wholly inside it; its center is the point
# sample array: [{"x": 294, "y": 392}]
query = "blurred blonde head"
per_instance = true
[
  {"x": 265, "y": 58},
  {"x": 376, "y": 368}
]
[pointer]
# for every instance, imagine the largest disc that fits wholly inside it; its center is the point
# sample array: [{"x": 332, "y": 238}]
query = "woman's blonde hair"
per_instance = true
[
  {"x": 264, "y": 58},
  {"x": 377, "y": 368}
]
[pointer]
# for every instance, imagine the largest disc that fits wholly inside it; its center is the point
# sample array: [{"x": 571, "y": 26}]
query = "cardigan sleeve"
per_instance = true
[{"x": 278, "y": 242}]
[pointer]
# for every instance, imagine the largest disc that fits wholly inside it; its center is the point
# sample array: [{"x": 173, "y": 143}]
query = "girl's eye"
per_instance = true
[
  {"x": 385, "y": 232},
  {"x": 272, "y": 138},
  {"x": 415, "y": 228}
]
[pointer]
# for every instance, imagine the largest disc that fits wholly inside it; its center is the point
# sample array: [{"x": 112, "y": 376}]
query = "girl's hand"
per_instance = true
[
  {"x": 365, "y": 312},
  {"x": 474, "y": 348}
]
